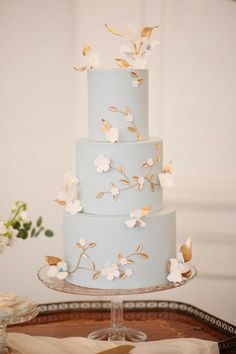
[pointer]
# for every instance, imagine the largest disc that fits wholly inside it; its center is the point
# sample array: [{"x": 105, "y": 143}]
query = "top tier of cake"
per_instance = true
[{"x": 120, "y": 97}]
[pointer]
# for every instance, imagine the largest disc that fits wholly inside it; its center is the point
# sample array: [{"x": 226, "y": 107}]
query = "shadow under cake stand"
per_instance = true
[{"x": 117, "y": 331}]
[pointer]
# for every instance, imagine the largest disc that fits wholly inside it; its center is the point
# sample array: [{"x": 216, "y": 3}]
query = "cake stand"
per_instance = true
[
  {"x": 117, "y": 331},
  {"x": 18, "y": 317}
]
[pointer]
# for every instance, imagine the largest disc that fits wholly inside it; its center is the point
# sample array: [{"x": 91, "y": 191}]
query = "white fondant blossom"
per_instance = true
[
  {"x": 135, "y": 83},
  {"x": 150, "y": 162},
  {"x": 110, "y": 271},
  {"x": 59, "y": 271},
  {"x": 93, "y": 59},
  {"x": 115, "y": 192},
  {"x": 24, "y": 216},
  {"x": 102, "y": 163},
  {"x": 129, "y": 117},
  {"x": 73, "y": 207},
  {"x": 128, "y": 272},
  {"x": 136, "y": 219},
  {"x": 112, "y": 135},
  {"x": 70, "y": 180},
  {"x": 3, "y": 229},
  {"x": 141, "y": 181},
  {"x": 83, "y": 242},
  {"x": 166, "y": 180},
  {"x": 177, "y": 269},
  {"x": 123, "y": 261}
]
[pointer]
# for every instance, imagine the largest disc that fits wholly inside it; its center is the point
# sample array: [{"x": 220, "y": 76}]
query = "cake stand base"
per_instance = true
[{"x": 119, "y": 334}]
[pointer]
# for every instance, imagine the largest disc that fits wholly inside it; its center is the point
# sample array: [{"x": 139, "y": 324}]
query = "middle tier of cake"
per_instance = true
[{"x": 117, "y": 178}]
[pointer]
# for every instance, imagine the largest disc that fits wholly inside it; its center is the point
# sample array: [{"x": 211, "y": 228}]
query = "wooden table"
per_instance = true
[{"x": 159, "y": 319}]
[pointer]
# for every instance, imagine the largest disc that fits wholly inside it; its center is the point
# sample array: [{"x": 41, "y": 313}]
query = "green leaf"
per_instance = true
[
  {"x": 39, "y": 221},
  {"x": 22, "y": 234},
  {"x": 39, "y": 231},
  {"x": 16, "y": 225},
  {"x": 32, "y": 232},
  {"x": 49, "y": 233},
  {"x": 27, "y": 226}
]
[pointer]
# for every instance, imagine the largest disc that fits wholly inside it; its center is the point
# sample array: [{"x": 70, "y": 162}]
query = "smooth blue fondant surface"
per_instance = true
[
  {"x": 132, "y": 155},
  {"x": 112, "y": 237},
  {"x": 113, "y": 87}
]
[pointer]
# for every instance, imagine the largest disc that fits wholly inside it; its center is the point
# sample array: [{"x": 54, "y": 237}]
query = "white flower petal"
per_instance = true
[
  {"x": 131, "y": 223},
  {"x": 166, "y": 180},
  {"x": 128, "y": 272},
  {"x": 62, "y": 266},
  {"x": 175, "y": 276},
  {"x": 61, "y": 275},
  {"x": 135, "y": 83},
  {"x": 52, "y": 271},
  {"x": 112, "y": 135},
  {"x": 83, "y": 242},
  {"x": 140, "y": 223}
]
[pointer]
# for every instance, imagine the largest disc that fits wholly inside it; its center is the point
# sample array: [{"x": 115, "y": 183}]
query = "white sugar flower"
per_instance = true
[
  {"x": 137, "y": 62},
  {"x": 150, "y": 162},
  {"x": 59, "y": 271},
  {"x": 141, "y": 181},
  {"x": 112, "y": 135},
  {"x": 115, "y": 192},
  {"x": 83, "y": 242},
  {"x": 93, "y": 59},
  {"x": 74, "y": 207},
  {"x": 128, "y": 272},
  {"x": 177, "y": 269},
  {"x": 67, "y": 196},
  {"x": 3, "y": 229},
  {"x": 135, "y": 83},
  {"x": 136, "y": 220},
  {"x": 149, "y": 47},
  {"x": 102, "y": 163},
  {"x": 123, "y": 261},
  {"x": 110, "y": 271},
  {"x": 166, "y": 180},
  {"x": 70, "y": 180},
  {"x": 129, "y": 117},
  {"x": 24, "y": 216}
]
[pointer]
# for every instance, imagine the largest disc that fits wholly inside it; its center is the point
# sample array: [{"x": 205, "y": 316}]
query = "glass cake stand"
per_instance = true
[
  {"x": 117, "y": 331},
  {"x": 18, "y": 317}
]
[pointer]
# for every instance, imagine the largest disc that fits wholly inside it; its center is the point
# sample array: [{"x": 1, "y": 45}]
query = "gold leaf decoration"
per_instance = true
[
  {"x": 122, "y": 275},
  {"x": 186, "y": 250},
  {"x": 145, "y": 165},
  {"x": 146, "y": 210},
  {"x": 92, "y": 244},
  {"x": 132, "y": 129},
  {"x": 140, "y": 187},
  {"x": 143, "y": 255},
  {"x": 147, "y": 32},
  {"x": 122, "y": 168},
  {"x": 139, "y": 247},
  {"x": 152, "y": 186},
  {"x": 79, "y": 245},
  {"x": 81, "y": 69},
  {"x": 127, "y": 111},
  {"x": 60, "y": 202},
  {"x": 133, "y": 74},
  {"x": 121, "y": 349},
  {"x": 140, "y": 81},
  {"x": 122, "y": 63},
  {"x": 112, "y": 30},
  {"x": 167, "y": 168},
  {"x": 135, "y": 178},
  {"x": 139, "y": 137},
  {"x": 105, "y": 126},
  {"x": 95, "y": 275},
  {"x": 113, "y": 109},
  {"x": 100, "y": 195},
  {"x": 84, "y": 255},
  {"x": 151, "y": 178},
  {"x": 124, "y": 181},
  {"x": 93, "y": 267},
  {"x": 51, "y": 260},
  {"x": 113, "y": 185},
  {"x": 86, "y": 49},
  {"x": 130, "y": 261},
  {"x": 119, "y": 257}
]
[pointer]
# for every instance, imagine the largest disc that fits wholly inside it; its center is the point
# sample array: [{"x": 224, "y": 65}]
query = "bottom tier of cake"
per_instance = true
[{"x": 102, "y": 252}]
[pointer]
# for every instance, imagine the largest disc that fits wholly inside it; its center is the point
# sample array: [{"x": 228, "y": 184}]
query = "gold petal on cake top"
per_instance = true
[
  {"x": 135, "y": 55},
  {"x": 92, "y": 59},
  {"x": 186, "y": 250}
]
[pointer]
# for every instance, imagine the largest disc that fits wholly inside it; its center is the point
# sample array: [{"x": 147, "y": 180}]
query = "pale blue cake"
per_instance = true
[{"x": 123, "y": 238}]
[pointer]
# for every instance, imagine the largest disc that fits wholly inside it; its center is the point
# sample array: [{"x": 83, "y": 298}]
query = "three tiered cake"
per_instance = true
[{"x": 117, "y": 235}]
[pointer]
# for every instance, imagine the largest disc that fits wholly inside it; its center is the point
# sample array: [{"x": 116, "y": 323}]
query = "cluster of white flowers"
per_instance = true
[
  {"x": 59, "y": 270},
  {"x": 68, "y": 195},
  {"x": 165, "y": 178},
  {"x": 111, "y": 271},
  {"x": 136, "y": 216},
  {"x": 180, "y": 267}
]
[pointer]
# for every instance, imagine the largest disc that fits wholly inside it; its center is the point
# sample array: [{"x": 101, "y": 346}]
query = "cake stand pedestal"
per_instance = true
[{"x": 117, "y": 331}]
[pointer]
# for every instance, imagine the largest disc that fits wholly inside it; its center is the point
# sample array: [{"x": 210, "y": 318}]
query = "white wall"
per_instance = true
[{"x": 43, "y": 110}]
